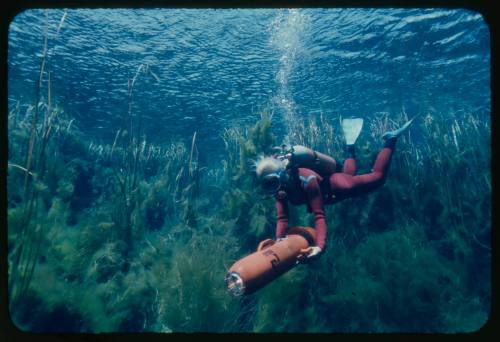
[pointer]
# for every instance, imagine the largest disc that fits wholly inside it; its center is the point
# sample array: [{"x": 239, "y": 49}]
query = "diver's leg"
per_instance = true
[
  {"x": 348, "y": 185},
  {"x": 350, "y": 161},
  {"x": 376, "y": 178},
  {"x": 351, "y": 129}
]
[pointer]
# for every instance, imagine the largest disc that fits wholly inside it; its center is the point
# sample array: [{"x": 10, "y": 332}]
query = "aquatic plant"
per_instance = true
[
  {"x": 388, "y": 268},
  {"x": 286, "y": 312},
  {"x": 252, "y": 217},
  {"x": 413, "y": 256},
  {"x": 24, "y": 253},
  {"x": 195, "y": 299},
  {"x": 129, "y": 157}
]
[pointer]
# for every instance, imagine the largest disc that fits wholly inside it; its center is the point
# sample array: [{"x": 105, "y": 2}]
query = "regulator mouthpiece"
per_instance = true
[{"x": 235, "y": 284}]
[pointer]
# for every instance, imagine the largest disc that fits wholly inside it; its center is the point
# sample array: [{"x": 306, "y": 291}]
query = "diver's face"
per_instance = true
[{"x": 272, "y": 182}]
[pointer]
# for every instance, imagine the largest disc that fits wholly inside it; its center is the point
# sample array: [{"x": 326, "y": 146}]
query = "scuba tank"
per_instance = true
[{"x": 301, "y": 156}]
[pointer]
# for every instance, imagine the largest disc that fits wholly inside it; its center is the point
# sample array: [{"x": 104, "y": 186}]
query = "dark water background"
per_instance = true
[{"x": 105, "y": 234}]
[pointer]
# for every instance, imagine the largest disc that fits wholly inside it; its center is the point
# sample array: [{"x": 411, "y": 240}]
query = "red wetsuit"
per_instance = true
[{"x": 308, "y": 187}]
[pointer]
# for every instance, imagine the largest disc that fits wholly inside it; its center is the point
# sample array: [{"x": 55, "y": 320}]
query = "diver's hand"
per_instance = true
[{"x": 308, "y": 254}]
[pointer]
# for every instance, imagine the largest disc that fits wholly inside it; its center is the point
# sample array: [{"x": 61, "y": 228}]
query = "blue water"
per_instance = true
[{"x": 219, "y": 67}]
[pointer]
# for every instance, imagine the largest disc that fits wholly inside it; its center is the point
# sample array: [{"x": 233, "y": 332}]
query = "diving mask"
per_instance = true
[{"x": 273, "y": 182}]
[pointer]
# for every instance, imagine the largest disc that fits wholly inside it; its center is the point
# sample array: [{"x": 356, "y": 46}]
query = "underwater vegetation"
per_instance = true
[
  {"x": 133, "y": 236},
  {"x": 412, "y": 257}
]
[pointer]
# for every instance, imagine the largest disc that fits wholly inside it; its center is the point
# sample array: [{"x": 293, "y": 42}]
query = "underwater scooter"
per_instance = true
[{"x": 271, "y": 260}]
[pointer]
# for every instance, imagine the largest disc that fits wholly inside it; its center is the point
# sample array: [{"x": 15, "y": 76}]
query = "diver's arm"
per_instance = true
[
  {"x": 316, "y": 204},
  {"x": 282, "y": 214}
]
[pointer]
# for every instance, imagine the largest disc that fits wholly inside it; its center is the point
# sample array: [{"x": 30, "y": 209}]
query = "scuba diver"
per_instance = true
[{"x": 300, "y": 175}]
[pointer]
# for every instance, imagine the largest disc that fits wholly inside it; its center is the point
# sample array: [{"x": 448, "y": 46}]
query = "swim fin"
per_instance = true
[
  {"x": 351, "y": 129},
  {"x": 397, "y": 132}
]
